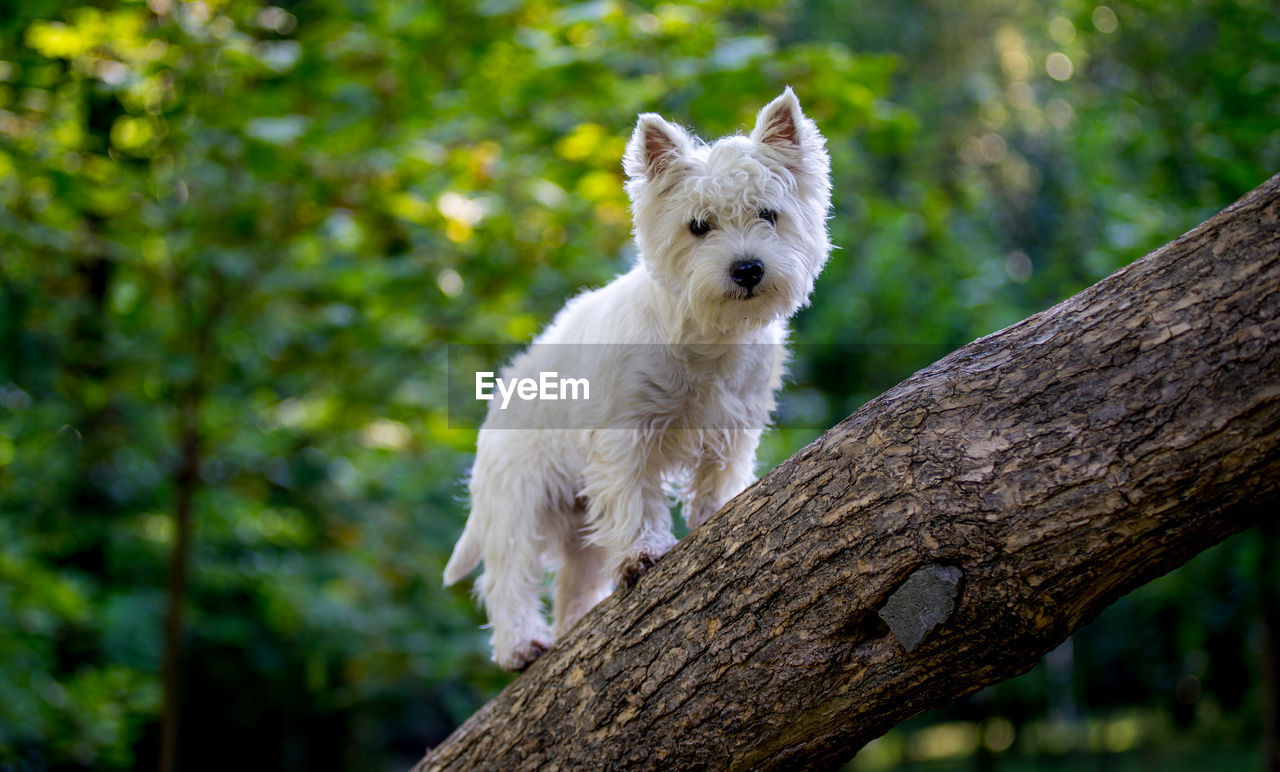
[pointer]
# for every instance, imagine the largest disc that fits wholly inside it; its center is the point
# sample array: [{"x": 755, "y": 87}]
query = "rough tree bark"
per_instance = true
[{"x": 942, "y": 538}]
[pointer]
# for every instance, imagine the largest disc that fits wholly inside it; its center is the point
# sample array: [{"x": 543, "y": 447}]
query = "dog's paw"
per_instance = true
[
  {"x": 521, "y": 657},
  {"x": 635, "y": 567}
]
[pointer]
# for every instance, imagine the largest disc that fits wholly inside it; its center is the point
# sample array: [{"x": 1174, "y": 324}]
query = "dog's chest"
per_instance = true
[{"x": 720, "y": 387}]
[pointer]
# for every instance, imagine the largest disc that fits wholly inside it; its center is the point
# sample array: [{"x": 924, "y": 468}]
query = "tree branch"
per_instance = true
[{"x": 942, "y": 538}]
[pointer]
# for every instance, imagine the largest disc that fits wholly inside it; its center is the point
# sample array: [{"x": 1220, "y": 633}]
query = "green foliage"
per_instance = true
[{"x": 281, "y": 215}]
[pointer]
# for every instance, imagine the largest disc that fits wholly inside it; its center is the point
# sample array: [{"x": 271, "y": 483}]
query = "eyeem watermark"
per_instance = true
[
  {"x": 548, "y": 386},
  {"x": 573, "y": 385}
]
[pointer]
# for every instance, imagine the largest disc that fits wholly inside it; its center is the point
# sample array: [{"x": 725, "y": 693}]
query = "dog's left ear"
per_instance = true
[
  {"x": 779, "y": 122},
  {"x": 782, "y": 128}
]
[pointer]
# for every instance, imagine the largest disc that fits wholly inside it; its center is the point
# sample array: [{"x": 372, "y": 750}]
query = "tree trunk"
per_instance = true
[
  {"x": 942, "y": 538},
  {"x": 190, "y": 400},
  {"x": 187, "y": 480}
]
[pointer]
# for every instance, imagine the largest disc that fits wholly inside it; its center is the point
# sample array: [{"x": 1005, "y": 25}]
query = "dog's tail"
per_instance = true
[{"x": 466, "y": 555}]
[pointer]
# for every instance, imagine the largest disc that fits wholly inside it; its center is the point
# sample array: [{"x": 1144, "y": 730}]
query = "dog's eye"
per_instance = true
[
  {"x": 699, "y": 227},
  {"x": 769, "y": 216}
]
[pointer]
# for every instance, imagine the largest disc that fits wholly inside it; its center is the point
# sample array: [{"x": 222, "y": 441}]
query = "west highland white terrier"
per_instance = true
[{"x": 679, "y": 359}]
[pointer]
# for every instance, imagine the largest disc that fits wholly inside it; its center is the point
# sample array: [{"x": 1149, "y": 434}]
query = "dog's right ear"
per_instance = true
[{"x": 654, "y": 148}]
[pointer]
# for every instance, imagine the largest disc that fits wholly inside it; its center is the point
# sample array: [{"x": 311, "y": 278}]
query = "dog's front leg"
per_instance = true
[
  {"x": 627, "y": 511},
  {"x": 725, "y": 467}
]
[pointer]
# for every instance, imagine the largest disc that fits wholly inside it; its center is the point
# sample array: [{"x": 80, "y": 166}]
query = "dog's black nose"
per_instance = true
[{"x": 747, "y": 273}]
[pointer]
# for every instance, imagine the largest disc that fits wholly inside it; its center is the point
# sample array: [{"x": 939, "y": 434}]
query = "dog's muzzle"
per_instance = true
[{"x": 747, "y": 273}]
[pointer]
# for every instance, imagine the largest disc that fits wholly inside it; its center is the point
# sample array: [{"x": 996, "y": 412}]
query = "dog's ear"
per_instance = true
[
  {"x": 654, "y": 148},
  {"x": 780, "y": 123},
  {"x": 792, "y": 138}
]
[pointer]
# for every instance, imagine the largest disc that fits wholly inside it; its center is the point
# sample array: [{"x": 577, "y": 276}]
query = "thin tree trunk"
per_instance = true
[
  {"x": 187, "y": 479},
  {"x": 190, "y": 404},
  {"x": 942, "y": 538}
]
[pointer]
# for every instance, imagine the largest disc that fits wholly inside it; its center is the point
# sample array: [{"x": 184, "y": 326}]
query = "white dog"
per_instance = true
[{"x": 682, "y": 355}]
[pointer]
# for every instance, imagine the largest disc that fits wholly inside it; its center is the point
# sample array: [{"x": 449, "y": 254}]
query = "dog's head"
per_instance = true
[{"x": 735, "y": 230}]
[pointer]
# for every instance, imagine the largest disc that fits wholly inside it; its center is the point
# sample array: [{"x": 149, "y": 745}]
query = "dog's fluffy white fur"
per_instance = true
[{"x": 683, "y": 354}]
